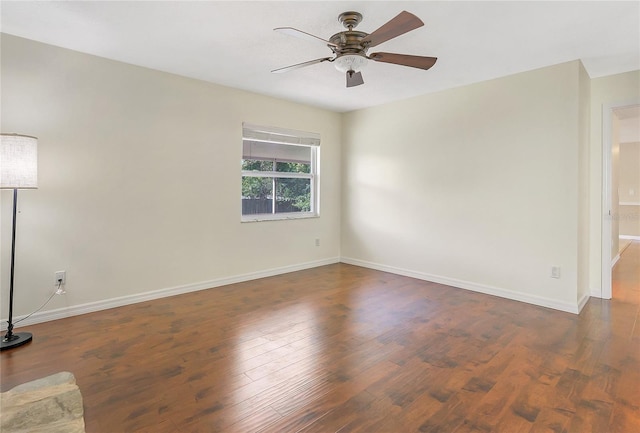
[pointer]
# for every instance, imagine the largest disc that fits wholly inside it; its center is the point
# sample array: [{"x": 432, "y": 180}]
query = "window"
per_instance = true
[{"x": 279, "y": 173}]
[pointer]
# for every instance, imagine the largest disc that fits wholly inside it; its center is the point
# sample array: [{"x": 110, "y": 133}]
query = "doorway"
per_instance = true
[{"x": 621, "y": 185}]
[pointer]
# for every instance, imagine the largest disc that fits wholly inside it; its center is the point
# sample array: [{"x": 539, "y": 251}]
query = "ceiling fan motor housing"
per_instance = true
[{"x": 349, "y": 42}]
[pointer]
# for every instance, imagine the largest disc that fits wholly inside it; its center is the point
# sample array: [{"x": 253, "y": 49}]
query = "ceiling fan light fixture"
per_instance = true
[{"x": 350, "y": 62}]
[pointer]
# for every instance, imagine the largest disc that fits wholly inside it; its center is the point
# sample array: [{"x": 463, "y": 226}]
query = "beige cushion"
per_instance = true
[{"x": 52, "y": 404}]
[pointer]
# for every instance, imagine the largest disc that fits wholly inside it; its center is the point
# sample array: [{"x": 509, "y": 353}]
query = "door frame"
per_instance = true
[{"x": 607, "y": 168}]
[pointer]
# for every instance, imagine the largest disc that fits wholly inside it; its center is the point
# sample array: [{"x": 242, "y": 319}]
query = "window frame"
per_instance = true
[{"x": 283, "y": 137}]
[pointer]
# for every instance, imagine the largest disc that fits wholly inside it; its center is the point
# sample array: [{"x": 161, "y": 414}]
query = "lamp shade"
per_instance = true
[
  {"x": 350, "y": 62},
  {"x": 18, "y": 161}
]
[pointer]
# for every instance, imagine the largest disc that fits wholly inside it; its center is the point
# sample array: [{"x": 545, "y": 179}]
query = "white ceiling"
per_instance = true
[{"x": 232, "y": 43}]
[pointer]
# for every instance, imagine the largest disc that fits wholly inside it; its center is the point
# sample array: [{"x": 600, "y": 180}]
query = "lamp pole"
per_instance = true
[{"x": 22, "y": 337}]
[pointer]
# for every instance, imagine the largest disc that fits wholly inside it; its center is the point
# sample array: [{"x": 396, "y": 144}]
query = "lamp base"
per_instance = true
[{"x": 17, "y": 339}]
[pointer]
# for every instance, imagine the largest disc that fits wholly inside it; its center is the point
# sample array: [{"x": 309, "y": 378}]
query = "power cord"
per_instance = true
[{"x": 58, "y": 291}]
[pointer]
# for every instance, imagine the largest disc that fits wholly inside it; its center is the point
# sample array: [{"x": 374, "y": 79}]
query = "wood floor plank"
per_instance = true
[
  {"x": 346, "y": 349},
  {"x": 341, "y": 415}
]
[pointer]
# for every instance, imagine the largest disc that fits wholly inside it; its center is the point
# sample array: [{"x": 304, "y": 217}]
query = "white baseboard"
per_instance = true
[
  {"x": 475, "y": 287},
  {"x": 91, "y": 307},
  {"x": 583, "y": 301},
  {"x": 615, "y": 260}
]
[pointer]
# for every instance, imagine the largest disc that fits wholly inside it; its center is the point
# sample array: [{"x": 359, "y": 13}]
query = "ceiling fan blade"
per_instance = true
[
  {"x": 405, "y": 60},
  {"x": 354, "y": 78},
  {"x": 303, "y": 35},
  {"x": 301, "y": 65},
  {"x": 404, "y": 22}
]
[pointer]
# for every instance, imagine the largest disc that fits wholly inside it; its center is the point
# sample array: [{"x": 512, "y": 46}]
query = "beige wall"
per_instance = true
[
  {"x": 139, "y": 175},
  {"x": 605, "y": 91},
  {"x": 478, "y": 186},
  {"x": 629, "y": 187},
  {"x": 630, "y": 172},
  {"x": 630, "y": 221}
]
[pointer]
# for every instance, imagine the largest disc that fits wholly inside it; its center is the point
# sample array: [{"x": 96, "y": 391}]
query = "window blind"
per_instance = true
[
  {"x": 287, "y": 145},
  {"x": 268, "y": 134}
]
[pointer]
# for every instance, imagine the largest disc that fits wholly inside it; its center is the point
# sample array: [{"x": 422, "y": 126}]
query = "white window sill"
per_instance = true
[{"x": 277, "y": 217}]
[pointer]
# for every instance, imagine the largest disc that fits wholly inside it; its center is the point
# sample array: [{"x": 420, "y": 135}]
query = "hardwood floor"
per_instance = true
[{"x": 347, "y": 349}]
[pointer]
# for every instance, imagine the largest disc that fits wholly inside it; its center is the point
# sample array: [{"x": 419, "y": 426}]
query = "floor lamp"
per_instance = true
[{"x": 18, "y": 170}]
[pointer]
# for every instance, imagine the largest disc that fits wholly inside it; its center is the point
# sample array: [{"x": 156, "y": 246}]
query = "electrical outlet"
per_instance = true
[
  {"x": 317, "y": 242},
  {"x": 61, "y": 278},
  {"x": 555, "y": 272}
]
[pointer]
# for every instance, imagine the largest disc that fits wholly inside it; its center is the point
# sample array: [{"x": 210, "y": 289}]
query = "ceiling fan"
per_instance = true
[{"x": 350, "y": 47}]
